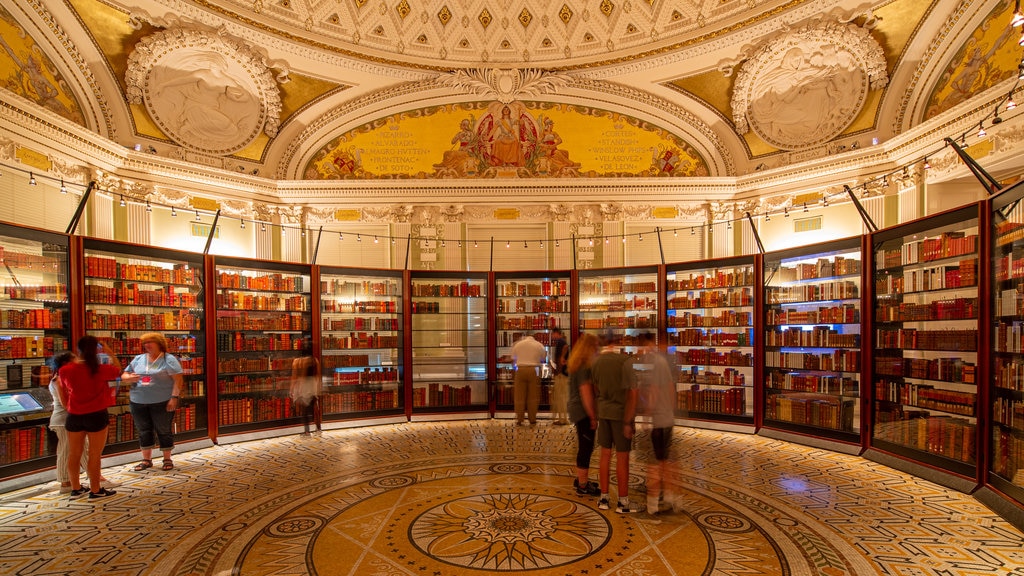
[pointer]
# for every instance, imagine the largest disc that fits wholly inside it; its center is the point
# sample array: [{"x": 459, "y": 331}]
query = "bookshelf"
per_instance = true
[
  {"x": 34, "y": 324},
  {"x": 621, "y": 302},
  {"x": 710, "y": 330},
  {"x": 131, "y": 290},
  {"x": 361, "y": 343},
  {"x": 812, "y": 340},
  {"x": 449, "y": 342},
  {"x": 925, "y": 341},
  {"x": 263, "y": 316},
  {"x": 527, "y": 305},
  {"x": 1006, "y": 391}
]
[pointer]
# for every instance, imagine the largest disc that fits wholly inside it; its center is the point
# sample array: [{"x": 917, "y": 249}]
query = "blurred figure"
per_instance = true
[
  {"x": 616, "y": 412},
  {"x": 656, "y": 393},
  {"x": 560, "y": 379},
  {"x": 582, "y": 407},
  {"x": 305, "y": 387}
]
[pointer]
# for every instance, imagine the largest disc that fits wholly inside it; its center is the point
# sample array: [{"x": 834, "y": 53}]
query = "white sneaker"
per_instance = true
[
  {"x": 626, "y": 507},
  {"x": 603, "y": 504}
]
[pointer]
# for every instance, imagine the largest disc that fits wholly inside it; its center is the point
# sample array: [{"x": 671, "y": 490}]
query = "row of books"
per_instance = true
[
  {"x": 29, "y": 261},
  {"x": 257, "y": 302},
  {"x": 244, "y": 342},
  {"x": 132, "y": 295},
  {"x": 844, "y": 314},
  {"x": 543, "y": 288},
  {"x": 953, "y": 309},
  {"x": 111, "y": 269},
  {"x": 712, "y": 357},
  {"x": 811, "y": 410},
  {"x": 1008, "y": 455},
  {"x": 1009, "y": 338},
  {"x": 38, "y": 293},
  {"x": 731, "y": 297},
  {"x": 338, "y": 287},
  {"x": 17, "y": 347},
  {"x": 262, "y": 282},
  {"x": 122, "y": 345},
  {"x": 943, "y": 369},
  {"x": 264, "y": 364},
  {"x": 508, "y": 338},
  {"x": 246, "y": 384},
  {"x": 822, "y": 268},
  {"x": 635, "y": 303},
  {"x": 361, "y": 323},
  {"x": 246, "y": 321},
  {"x": 616, "y": 286},
  {"x": 912, "y": 339},
  {"x": 724, "y": 278},
  {"x": 964, "y": 275},
  {"x": 948, "y": 436},
  {"x": 822, "y": 384},
  {"x": 816, "y": 337},
  {"x": 947, "y": 245},
  {"x": 345, "y": 361},
  {"x": 722, "y": 319},
  {"x": 363, "y": 401},
  {"x": 170, "y": 320},
  {"x": 706, "y": 376},
  {"x": 539, "y": 322},
  {"x": 359, "y": 340},
  {"x": 360, "y": 307},
  {"x": 247, "y": 410},
  {"x": 702, "y": 337},
  {"x": 637, "y": 321},
  {"x": 462, "y": 289},
  {"x": 436, "y": 394},
  {"x": 1009, "y": 267},
  {"x": 835, "y": 290},
  {"x": 546, "y": 305},
  {"x": 695, "y": 400},
  {"x": 20, "y": 444},
  {"x": 1009, "y": 373},
  {"x": 34, "y": 319},
  {"x": 927, "y": 396},
  {"x": 836, "y": 361},
  {"x": 379, "y": 375}
]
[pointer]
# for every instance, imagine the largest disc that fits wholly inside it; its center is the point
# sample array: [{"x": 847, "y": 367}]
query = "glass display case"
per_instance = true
[
  {"x": 620, "y": 303},
  {"x": 1006, "y": 391},
  {"x": 449, "y": 342},
  {"x": 528, "y": 305},
  {"x": 131, "y": 290},
  {"x": 361, "y": 343},
  {"x": 263, "y": 321},
  {"x": 925, "y": 348},
  {"x": 34, "y": 325},
  {"x": 812, "y": 340},
  {"x": 709, "y": 309}
]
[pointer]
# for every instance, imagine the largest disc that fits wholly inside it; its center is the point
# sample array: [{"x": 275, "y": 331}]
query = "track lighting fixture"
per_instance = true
[
  {"x": 198, "y": 219},
  {"x": 623, "y": 238},
  {"x": 475, "y": 244},
  {"x": 1010, "y": 104},
  {"x": 591, "y": 240},
  {"x": 460, "y": 243},
  {"x": 121, "y": 203},
  {"x": 148, "y": 207},
  {"x": 341, "y": 236},
  {"x": 767, "y": 217},
  {"x": 1018, "y": 17},
  {"x": 392, "y": 240},
  {"x": 263, "y": 226},
  {"x": 444, "y": 244},
  {"x": 785, "y": 212},
  {"x": 542, "y": 244},
  {"x": 640, "y": 237},
  {"x": 303, "y": 233},
  {"x": 174, "y": 213},
  {"x": 691, "y": 231},
  {"x": 375, "y": 240},
  {"x": 606, "y": 240},
  {"x": 981, "y": 130},
  {"x": 31, "y": 179},
  {"x": 558, "y": 243},
  {"x": 927, "y": 164},
  {"x": 728, "y": 225},
  {"x": 64, "y": 189},
  {"x": 675, "y": 233},
  {"x": 241, "y": 224},
  {"x": 359, "y": 237},
  {"x": 508, "y": 243}
]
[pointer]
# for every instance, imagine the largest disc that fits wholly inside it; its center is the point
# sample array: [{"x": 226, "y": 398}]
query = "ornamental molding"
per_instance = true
[
  {"x": 208, "y": 91},
  {"x": 505, "y": 85},
  {"x": 805, "y": 86}
]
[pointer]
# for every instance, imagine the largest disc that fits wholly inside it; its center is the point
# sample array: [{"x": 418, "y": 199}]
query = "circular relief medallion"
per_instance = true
[
  {"x": 509, "y": 532},
  {"x": 206, "y": 92},
  {"x": 807, "y": 86}
]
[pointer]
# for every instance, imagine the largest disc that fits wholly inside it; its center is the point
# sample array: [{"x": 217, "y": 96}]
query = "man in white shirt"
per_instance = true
[{"x": 528, "y": 355}]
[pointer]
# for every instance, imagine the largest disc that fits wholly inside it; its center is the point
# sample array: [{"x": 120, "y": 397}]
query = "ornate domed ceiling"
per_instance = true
[{"x": 503, "y": 89}]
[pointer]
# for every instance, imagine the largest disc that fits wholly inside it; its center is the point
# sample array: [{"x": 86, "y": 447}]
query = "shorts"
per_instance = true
[
  {"x": 609, "y": 433},
  {"x": 91, "y": 422},
  {"x": 661, "y": 439}
]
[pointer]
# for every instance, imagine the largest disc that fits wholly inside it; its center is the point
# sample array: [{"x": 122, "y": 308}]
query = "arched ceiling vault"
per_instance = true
[{"x": 344, "y": 89}]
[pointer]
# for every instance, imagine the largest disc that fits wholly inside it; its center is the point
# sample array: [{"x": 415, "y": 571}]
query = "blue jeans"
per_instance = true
[{"x": 153, "y": 419}]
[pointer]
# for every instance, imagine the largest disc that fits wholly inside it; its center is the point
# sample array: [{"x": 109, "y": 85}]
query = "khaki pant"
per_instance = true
[
  {"x": 560, "y": 398},
  {"x": 527, "y": 393}
]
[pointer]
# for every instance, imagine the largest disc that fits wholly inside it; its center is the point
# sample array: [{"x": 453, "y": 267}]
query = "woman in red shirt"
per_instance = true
[{"x": 85, "y": 391}]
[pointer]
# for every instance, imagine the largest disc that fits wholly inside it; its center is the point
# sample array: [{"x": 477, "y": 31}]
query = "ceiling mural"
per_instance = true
[
  {"x": 28, "y": 72},
  {"x": 518, "y": 139},
  {"x": 989, "y": 57}
]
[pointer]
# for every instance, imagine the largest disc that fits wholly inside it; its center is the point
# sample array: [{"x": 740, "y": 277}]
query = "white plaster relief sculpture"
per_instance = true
[
  {"x": 806, "y": 86},
  {"x": 505, "y": 85},
  {"x": 206, "y": 91}
]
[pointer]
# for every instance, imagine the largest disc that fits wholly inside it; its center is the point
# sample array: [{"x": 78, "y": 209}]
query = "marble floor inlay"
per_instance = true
[{"x": 485, "y": 496}]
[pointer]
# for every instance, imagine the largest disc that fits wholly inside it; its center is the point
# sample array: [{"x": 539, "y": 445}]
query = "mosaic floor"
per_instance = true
[{"x": 477, "y": 497}]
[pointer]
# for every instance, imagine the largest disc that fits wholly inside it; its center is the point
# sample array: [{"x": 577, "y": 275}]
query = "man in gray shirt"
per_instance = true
[{"x": 616, "y": 410}]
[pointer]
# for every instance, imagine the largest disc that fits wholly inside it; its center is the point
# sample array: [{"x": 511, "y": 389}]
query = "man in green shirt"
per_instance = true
[{"x": 616, "y": 410}]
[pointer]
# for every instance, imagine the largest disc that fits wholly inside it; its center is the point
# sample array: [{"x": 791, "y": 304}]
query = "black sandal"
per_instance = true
[
  {"x": 168, "y": 465},
  {"x": 146, "y": 463}
]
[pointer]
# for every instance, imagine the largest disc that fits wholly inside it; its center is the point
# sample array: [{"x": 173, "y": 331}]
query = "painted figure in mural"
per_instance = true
[
  {"x": 508, "y": 140},
  {"x": 550, "y": 160},
  {"x": 463, "y": 160},
  {"x": 975, "y": 68},
  {"x": 31, "y": 81}
]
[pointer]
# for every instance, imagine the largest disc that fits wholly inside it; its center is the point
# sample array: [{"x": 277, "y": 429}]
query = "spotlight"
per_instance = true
[
  {"x": 606, "y": 240},
  {"x": 392, "y": 240},
  {"x": 460, "y": 243},
  {"x": 675, "y": 233},
  {"x": 927, "y": 164},
  {"x": 443, "y": 244},
  {"x": 303, "y": 233},
  {"x": 64, "y": 189},
  {"x": 767, "y": 217},
  {"x": 376, "y": 242},
  {"x": 691, "y": 231},
  {"x": 729, "y": 225},
  {"x": 558, "y": 243},
  {"x": 824, "y": 201},
  {"x": 541, "y": 243},
  {"x": 341, "y": 236},
  {"x": 241, "y": 224},
  {"x": 475, "y": 244},
  {"x": 1018, "y": 17},
  {"x": 623, "y": 238},
  {"x": 121, "y": 203},
  {"x": 31, "y": 179},
  {"x": 805, "y": 207},
  {"x": 359, "y": 237},
  {"x": 148, "y": 207},
  {"x": 641, "y": 237},
  {"x": 197, "y": 216},
  {"x": 591, "y": 240},
  {"x": 981, "y": 130},
  {"x": 263, "y": 226},
  {"x": 1010, "y": 104},
  {"x": 508, "y": 244},
  {"x": 174, "y": 213},
  {"x": 524, "y": 244},
  {"x": 785, "y": 212}
]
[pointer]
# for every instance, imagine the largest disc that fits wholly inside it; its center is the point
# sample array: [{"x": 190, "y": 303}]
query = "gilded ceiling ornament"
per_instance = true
[
  {"x": 560, "y": 212},
  {"x": 807, "y": 85},
  {"x": 206, "y": 90},
  {"x": 452, "y": 213},
  {"x": 505, "y": 85},
  {"x": 611, "y": 211}
]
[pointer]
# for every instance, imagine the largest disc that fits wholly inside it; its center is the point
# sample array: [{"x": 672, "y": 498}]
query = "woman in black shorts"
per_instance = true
[{"x": 86, "y": 393}]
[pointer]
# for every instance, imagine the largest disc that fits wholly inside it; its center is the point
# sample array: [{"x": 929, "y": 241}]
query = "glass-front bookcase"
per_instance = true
[
  {"x": 361, "y": 343},
  {"x": 131, "y": 290},
  {"x": 35, "y": 324},
  {"x": 449, "y": 342},
  {"x": 526, "y": 304},
  {"x": 1006, "y": 388},
  {"x": 710, "y": 311},
  {"x": 621, "y": 303},
  {"x": 925, "y": 348},
  {"x": 812, "y": 340},
  {"x": 264, "y": 318}
]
